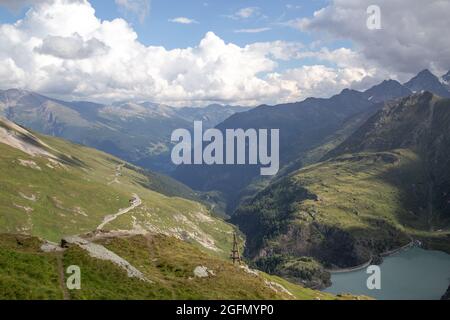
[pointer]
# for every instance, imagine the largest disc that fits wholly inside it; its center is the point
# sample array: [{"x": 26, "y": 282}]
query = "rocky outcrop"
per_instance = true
[
  {"x": 203, "y": 272},
  {"x": 102, "y": 253}
]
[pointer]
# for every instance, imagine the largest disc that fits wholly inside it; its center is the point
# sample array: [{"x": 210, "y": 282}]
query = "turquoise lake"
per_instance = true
[{"x": 413, "y": 274}]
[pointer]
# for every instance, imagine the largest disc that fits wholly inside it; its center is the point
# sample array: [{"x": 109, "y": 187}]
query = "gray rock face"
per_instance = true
[
  {"x": 203, "y": 272},
  {"x": 100, "y": 252},
  {"x": 48, "y": 246}
]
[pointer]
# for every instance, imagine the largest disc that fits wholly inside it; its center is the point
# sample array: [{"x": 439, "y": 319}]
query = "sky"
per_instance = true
[{"x": 197, "y": 52}]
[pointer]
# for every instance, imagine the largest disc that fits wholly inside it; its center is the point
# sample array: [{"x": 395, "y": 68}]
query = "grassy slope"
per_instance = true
[
  {"x": 74, "y": 198},
  {"x": 355, "y": 189},
  {"x": 374, "y": 198},
  {"x": 27, "y": 273}
]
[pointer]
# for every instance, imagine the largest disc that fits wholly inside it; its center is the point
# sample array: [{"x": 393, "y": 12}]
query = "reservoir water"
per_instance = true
[{"x": 412, "y": 274}]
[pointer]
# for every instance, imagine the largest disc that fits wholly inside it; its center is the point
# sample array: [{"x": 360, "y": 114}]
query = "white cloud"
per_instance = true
[
  {"x": 140, "y": 8},
  {"x": 254, "y": 30},
  {"x": 278, "y": 50},
  {"x": 299, "y": 23},
  {"x": 317, "y": 81},
  {"x": 183, "y": 20},
  {"x": 51, "y": 52},
  {"x": 412, "y": 36},
  {"x": 246, "y": 13}
]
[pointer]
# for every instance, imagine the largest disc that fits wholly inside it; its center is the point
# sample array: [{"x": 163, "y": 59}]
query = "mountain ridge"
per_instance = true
[
  {"x": 310, "y": 123},
  {"x": 136, "y": 132},
  {"x": 385, "y": 185},
  {"x": 427, "y": 81}
]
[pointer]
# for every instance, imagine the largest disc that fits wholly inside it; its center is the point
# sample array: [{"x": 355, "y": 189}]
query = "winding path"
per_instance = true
[{"x": 136, "y": 203}]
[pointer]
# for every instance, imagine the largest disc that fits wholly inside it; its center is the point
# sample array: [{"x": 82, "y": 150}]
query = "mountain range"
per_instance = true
[
  {"x": 386, "y": 184},
  {"x": 362, "y": 174},
  {"x": 308, "y": 130},
  {"x": 136, "y": 132}
]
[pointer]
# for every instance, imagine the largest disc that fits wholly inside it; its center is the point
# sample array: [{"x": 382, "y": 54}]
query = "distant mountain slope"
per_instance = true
[
  {"x": 304, "y": 126},
  {"x": 387, "y": 90},
  {"x": 421, "y": 123},
  {"x": 400, "y": 123},
  {"x": 52, "y": 188},
  {"x": 426, "y": 81},
  {"x": 388, "y": 182},
  {"x": 210, "y": 115},
  {"x": 136, "y": 132},
  {"x": 308, "y": 130}
]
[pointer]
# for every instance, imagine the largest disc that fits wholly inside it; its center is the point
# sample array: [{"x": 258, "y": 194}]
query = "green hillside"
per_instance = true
[
  {"x": 381, "y": 188},
  {"x": 167, "y": 265},
  {"x": 52, "y": 188}
]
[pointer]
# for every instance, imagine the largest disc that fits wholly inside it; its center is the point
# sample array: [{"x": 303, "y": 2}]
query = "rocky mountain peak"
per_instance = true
[
  {"x": 388, "y": 89},
  {"x": 425, "y": 80}
]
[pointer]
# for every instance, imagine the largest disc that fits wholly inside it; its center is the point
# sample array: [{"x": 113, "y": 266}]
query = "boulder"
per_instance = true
[{"x": 203, "y": 272}]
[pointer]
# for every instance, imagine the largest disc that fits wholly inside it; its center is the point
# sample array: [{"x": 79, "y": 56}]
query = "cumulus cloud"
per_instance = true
[
  {"x": 318, "y": 80},
  {"x": 412, "y": 34},
  {"x": 51, "y": 52},
  {"x": 140, "y": 8},
  {"x": 183, "y": 20}
]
